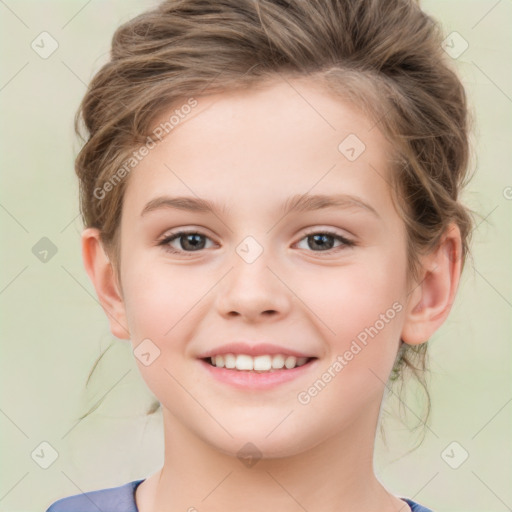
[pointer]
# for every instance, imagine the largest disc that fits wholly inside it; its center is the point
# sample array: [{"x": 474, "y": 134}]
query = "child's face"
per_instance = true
[{"x": 252, "y": 151}]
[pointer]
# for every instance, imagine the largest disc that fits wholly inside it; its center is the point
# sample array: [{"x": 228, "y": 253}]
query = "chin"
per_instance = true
[{"x": 253, "y": 445}]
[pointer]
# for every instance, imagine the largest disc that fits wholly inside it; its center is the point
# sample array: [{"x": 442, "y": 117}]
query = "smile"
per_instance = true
[
  {"x": 262, "y": 363},
  {"x": 260, "y": 372}
]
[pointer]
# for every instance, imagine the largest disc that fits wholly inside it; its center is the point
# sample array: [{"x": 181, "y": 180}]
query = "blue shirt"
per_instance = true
[{"x": 122, "y": 499}]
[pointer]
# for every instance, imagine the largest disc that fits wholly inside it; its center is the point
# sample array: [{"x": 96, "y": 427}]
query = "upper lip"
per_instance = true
[{"x": 256, "y": 349}]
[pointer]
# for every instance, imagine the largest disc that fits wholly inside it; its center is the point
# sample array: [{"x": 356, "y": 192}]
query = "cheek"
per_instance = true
[
  {"x": 158, "y": 295},
  {"x": 359, "y": 311},
  {"x": 364, "y": 318},
  {"x": 159, "y": 303},
  {"x": 349, "y": 299}
]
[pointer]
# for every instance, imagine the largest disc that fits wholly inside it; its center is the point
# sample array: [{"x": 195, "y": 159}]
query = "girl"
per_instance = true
[{"x": 270, "y": 198}]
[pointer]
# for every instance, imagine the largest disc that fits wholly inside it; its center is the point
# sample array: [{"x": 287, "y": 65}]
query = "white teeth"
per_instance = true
[
  {"x": 258, "y": 363},
  {"x": 262, "y": 363},
  {"x": 278, "y": 361},
  {"x": 229, "y": 360},
  {"x": 219, "y": 361},
  {"x": 290, "y": 361},
  {"x": 244, "y": 362}
]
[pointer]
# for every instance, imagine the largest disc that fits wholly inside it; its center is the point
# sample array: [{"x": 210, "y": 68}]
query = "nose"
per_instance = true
[{"x": 254, "y": 291}]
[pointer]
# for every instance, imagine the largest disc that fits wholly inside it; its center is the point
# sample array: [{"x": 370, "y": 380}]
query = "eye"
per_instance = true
[
  {"x": 324, "y": 241},
  {"x": 193, "y": 241},
  {"x": 190, "y": 241}
]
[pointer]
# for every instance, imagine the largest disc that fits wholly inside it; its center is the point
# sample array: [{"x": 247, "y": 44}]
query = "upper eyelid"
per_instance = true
[
  {"x": 199, "y": 231},
  {"x": 332, "y": 231}
]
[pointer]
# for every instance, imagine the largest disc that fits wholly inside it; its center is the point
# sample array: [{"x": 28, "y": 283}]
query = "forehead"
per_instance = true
[{"x": 260, "y": 145}]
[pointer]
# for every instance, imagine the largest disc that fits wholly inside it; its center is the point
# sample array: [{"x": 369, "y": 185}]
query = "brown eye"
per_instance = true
[
  {"x": 323, "y": 241},
  {"x": 188, "y": 241}
]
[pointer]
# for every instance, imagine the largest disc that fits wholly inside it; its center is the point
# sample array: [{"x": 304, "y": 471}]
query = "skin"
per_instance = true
[{"x": 251, "y": 150}]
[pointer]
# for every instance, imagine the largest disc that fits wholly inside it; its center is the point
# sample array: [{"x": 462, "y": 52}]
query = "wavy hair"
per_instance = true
[{"x": 385, "y": 56}]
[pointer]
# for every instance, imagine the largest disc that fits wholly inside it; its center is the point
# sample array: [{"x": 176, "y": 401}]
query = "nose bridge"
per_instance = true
[{"x": 252, "y": 287}]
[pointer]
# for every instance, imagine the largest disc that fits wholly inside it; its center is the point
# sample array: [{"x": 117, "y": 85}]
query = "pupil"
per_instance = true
[
  {"x": 195, "y": 244},
  {"x": 316, "y": 237}
]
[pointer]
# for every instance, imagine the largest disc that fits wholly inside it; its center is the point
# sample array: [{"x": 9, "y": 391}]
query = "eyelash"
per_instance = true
[{"x": 178, "y": 234}]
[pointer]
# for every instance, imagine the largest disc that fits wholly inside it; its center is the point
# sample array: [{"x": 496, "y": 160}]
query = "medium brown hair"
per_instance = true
[{"x": 384, "y": 55}]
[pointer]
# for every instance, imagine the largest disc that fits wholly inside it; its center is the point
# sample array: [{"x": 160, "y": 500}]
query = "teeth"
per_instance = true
[
  {"x": 277, "y": 361},
  {"x": 262, "y": 363},
  {"x": 290, "y": 361},
  {"x": 244, "y": 362},
  {"x": 258, "y": 363},
  {"x": 229, "y": 360}
]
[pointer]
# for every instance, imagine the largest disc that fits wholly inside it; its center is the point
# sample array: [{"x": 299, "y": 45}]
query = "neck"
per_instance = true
[{"x": 336, "y": 475}]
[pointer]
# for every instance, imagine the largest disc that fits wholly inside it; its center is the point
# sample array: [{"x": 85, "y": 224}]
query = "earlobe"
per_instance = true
[
  {"x": 101, "y": 273},
  {"x": 431, "y": 298}
]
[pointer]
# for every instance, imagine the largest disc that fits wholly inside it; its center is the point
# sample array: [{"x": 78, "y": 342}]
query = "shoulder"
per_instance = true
[
  {"x": 416, "y": 507},
  {"x": 113, "y": 499}
]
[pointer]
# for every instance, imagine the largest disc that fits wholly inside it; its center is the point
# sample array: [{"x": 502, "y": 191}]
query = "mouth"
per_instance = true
[
  {"x": 258, "y": 364},
  {"x": 241, "y": 375}
]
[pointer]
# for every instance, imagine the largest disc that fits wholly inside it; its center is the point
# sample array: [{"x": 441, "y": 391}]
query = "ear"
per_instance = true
[
  {"x": 101, "y": 273},
  {"x": 431, "y": 298}
]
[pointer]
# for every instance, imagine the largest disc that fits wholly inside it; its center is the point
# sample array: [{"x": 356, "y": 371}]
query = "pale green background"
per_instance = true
[{"x": 53, "y": 327}]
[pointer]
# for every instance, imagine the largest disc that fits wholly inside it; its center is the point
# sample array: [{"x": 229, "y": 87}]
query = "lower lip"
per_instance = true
[{"x": 252, "y": 380}]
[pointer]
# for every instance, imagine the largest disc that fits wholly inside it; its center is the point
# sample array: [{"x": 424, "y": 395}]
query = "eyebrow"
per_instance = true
[{"x": 298, "y": 203}]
